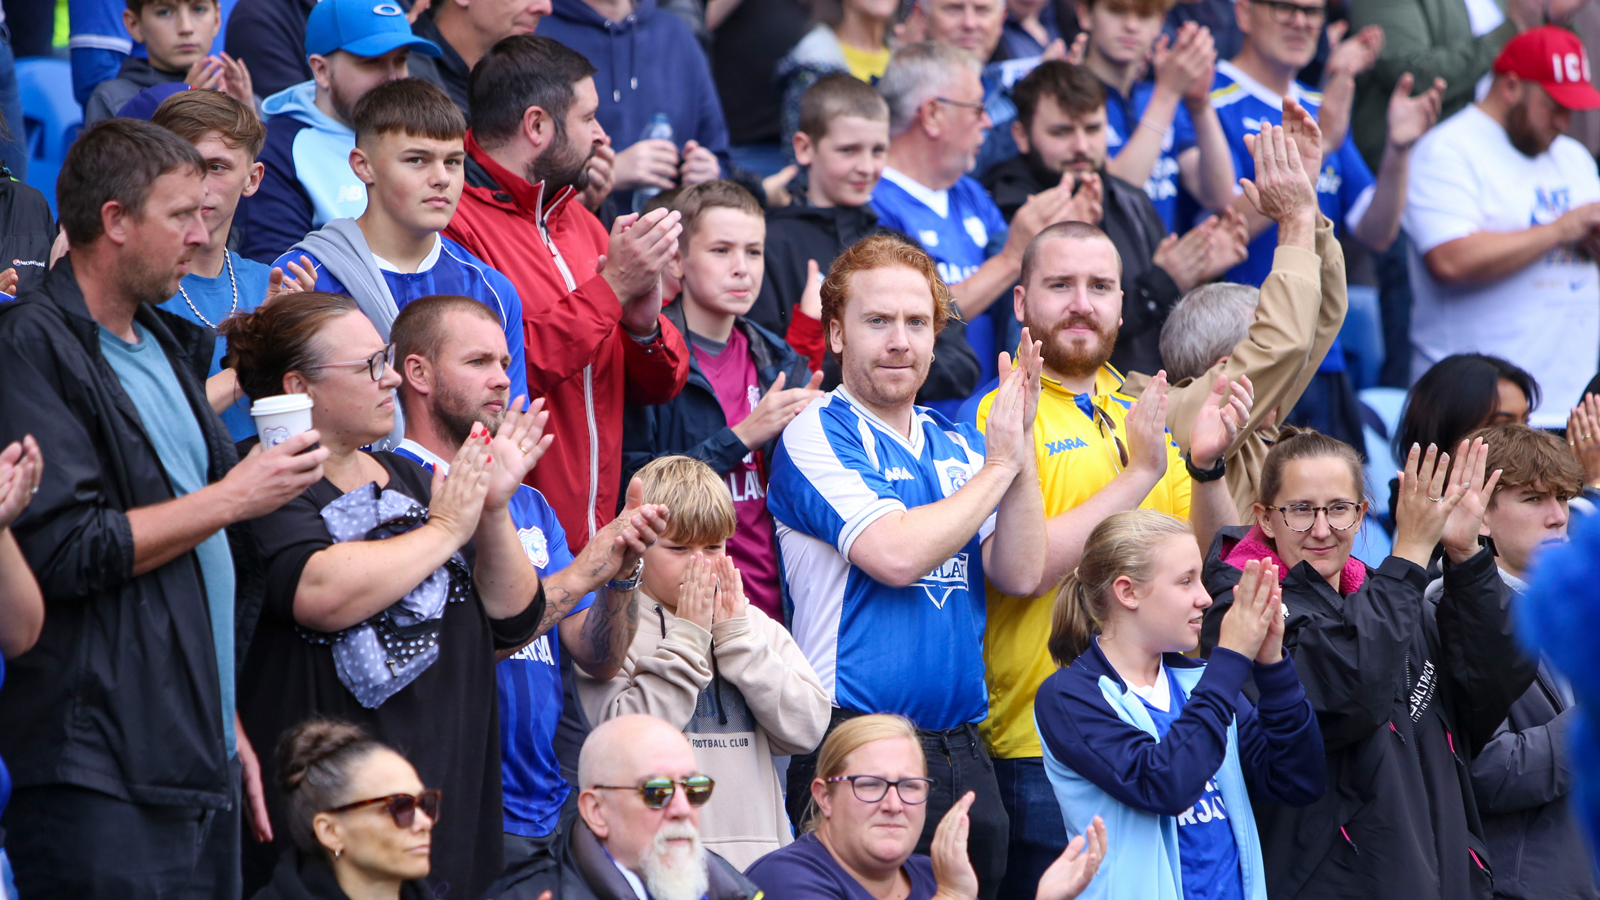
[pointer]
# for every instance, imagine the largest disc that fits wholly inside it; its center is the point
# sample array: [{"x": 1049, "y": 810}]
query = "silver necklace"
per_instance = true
[{"x": 233, "y": 282}]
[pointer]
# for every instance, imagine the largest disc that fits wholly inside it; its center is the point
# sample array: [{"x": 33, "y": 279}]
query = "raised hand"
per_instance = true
[
  {"x": 1087, "y": 203},
  {"x": 1245, "y": 624},
  {"x": 1351, "y": 56},
  {"x": 1280, "y": 191},
  {"x": 516, "y": 448},
  {"x": 1460, "y": 535},
  {"x": 1583, "y": 436},
  {"x": 811, "y": 294},
  {"x": 652, "y": 163},
  {"x": 697, "y": 592},
  {"x": 952, "y": 868},
  {"x": 21, "y": 468},
  {"x": 1006, "y": 439},
  {"x": 236, "y": 81},
  {"x": 638, "y": 250},
  {"x": 1220, "y": 419},
  {"x": 1185, "y": 66},
  {"x": 615, "y": 550},
  {"x": 731, "y": 603},
  {"x": 1039, "y": 212},
  {"x": 1301, "y": 127},
  {"x": 777, "y": 409},
  {"x": 457, "y": 499},
  {"x": 1030, "y": 359},
  {"x": 205, "y": 73},
  {"x": 776, "y": 186},
  {"x": 699, "y": 165},
  {"x": 8, "y": 281},
  {"x": 602, "y": 176},
  {"x": 1426, "y": 500},
  {"x": 1271, "y": 651},
  {"x": 1186, "y": 259},
  {"x": 1147, "y": 428},
  {"x": 1075, "y": 867},
  {"x": 1410, "y": 117},
  {"x": 301, "y": 278},
  {"x": 1079, "y": 51}
]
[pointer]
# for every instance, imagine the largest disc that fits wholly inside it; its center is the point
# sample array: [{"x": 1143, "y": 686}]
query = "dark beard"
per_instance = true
[
  {"x": 563, "y": 165},
  {"x": 1521, "y": 134},
  {"x": 456, "y": 414},
  {"x": 1048, "y": 177},
  {"x": 145, "y": 283},
  {"x": 1069, "y": 363}
]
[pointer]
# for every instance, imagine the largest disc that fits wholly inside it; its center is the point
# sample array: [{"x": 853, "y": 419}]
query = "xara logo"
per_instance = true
[
  {"x": 898, "y": 473},
  {"x": 1063, "y": 446}
]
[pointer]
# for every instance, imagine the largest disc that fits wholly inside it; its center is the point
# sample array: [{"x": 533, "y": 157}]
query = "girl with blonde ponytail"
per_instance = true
[{"x": 1160, "y": 745}]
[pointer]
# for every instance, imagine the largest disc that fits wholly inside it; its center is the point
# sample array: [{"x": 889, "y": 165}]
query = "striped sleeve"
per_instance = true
[{"x": 825, "y": 482}]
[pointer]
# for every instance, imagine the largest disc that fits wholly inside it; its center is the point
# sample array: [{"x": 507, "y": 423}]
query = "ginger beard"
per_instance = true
[
  {"x": 674, "y": 866},
  {"x": 1072, "y": 356}
]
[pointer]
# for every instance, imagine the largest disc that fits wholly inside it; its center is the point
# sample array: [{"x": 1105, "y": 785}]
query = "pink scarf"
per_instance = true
[{"x": 1254, "y": 546}]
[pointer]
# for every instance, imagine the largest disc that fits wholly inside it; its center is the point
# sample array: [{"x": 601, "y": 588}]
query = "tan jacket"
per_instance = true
[
  {"x": 1302, "y": 307},
  {"x": 743, "y": 693}
]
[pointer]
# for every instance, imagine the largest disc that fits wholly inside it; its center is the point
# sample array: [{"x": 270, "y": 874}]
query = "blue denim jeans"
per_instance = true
[{"x": 1038, "y": 834}]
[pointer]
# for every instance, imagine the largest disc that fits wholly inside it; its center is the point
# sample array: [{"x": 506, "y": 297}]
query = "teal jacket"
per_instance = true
[{"x": 1103, "y": 757}]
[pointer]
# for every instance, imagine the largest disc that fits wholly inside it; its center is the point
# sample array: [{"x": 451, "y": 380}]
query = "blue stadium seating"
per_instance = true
[
  {"x": 1362, "y": 337},
  {"x": 50, "y": 116},
  {"x": 1384, "y": 405}
]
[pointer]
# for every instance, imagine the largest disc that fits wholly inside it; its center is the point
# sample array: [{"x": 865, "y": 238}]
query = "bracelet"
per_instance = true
[
  {"x": 1206, "y": 475},
  {"x": 1160, "y": 131},
  {"x": 629, "y": 584}
]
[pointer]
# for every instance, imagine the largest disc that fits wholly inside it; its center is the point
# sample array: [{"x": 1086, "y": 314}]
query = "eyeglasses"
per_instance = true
[
  {"x": 657, "y": 792},
  {"x": 402, "y": 808},
  {"x": 376, "y": 363},
  {"x": 1284, "y": 12},
  {"x": 871, "y": 788},
  {"x": 1108, "y": 430},
  {"x": 962, "y": 103},
  {"x": 1342, "y": 515}
]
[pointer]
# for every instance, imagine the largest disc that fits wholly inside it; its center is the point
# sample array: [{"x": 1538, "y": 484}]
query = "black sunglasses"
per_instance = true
[
  {"x": 402, "y": 808},
  {"x": 657, "y": 792}
]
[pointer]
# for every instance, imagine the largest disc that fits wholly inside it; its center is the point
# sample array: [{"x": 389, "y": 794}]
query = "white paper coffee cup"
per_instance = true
[{"x": 280, "y": 418}]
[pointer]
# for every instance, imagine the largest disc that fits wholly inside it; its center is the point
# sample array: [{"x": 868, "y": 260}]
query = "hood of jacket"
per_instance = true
[
  {"x": 300, "y": 102},
  {"x": 1253, "y": 544},
  {"x": 140, "y": 72}
]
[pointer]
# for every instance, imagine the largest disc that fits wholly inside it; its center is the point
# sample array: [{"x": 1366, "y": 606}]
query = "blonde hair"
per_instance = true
[
  {"x": 852, "y": 735},
  {"x": 1125, "y": 544},
  {"x": 700, "y": 509}
]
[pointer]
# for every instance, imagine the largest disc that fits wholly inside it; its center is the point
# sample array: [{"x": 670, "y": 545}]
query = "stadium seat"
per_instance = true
[
  {"x": 1381, "y": 415},
  {"x": 1362, "y": 337},
  {"x": 1373, "y": 544},
  {"x": 51, "y": 118}
]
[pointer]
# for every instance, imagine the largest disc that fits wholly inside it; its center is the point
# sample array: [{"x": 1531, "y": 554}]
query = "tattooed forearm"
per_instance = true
[{"x": 610, "y": 628}]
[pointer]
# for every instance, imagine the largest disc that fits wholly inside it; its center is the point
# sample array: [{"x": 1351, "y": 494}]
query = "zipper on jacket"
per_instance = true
[{"x": 594, "y": 445}]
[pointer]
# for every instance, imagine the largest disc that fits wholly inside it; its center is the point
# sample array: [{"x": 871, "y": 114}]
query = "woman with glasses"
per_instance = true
[
  {"x": 868, "y": 801},
  {"x": 387, "y": 592},
  {"x": 1167, "y": 748},
  {"x": 361, "y": 821},
  {"x": 1406, "y": 691}
]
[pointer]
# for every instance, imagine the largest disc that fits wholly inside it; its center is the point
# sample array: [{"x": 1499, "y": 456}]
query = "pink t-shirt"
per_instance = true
[{"x": 732, "y": 374}]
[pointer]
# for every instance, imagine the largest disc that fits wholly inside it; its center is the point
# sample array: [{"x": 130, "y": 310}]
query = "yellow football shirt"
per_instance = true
[
  {"x": 1077, "y": 457},
  {"x": 865, "y": 64}
]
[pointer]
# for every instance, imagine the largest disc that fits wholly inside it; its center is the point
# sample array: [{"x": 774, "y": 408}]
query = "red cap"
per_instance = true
[{"x": 1554, "y": 58}]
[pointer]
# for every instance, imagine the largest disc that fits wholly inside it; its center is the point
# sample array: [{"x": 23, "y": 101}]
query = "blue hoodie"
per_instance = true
[
  {"x": 308, "y": 180},
  {"x": 648, "y": 63}
]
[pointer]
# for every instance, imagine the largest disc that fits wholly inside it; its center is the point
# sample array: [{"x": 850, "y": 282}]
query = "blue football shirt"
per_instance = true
[
  {"x": 1122, "y": 117},
  {"x": 529, "y": 681},
  {"x": 917, "y": 650},
  {"x": 961, "y": 228},
  {"x": 1208, "y": 852},
  {"x": 207, "y": 301}
]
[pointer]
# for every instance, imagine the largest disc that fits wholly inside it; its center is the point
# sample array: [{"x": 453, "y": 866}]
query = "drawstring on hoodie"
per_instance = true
[{"x": 716, "y": 676}]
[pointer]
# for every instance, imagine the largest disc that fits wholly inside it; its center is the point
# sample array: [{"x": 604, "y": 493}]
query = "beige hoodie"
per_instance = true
[{"x": 743, "y": 693}]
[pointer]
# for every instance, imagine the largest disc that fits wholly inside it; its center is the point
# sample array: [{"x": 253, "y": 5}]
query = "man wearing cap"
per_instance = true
[
  {"x": 352, "y": 47},
  {"x": 1503, "y": 212}
]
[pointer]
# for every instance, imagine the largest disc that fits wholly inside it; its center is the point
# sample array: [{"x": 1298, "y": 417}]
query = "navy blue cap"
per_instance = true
[
  {"x": 143, "y": 104},
  {"x": 362, "y": 27}
]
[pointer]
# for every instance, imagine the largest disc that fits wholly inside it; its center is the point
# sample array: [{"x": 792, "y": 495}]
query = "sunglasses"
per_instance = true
[
  {"x": 657, "y": 792},
  {"x": 402, "y": 808},
  {"x": 1108, "y": 429}
]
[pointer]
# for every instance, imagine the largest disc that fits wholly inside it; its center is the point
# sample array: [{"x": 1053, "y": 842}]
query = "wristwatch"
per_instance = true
[
  {"x": 1202, "y": 475},
  {"x": 631, "y": 583}
]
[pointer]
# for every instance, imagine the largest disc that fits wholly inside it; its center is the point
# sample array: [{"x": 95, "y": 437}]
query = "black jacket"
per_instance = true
[
  {"x": 449, "y": 72},
  {"x": 270, "y": 36},
  {"x": 121, "y": 694},
  {"x": 1522, "y": 779},
  {"x": 1407, "y": 693},
  {"x": 1135, "y": 228},
  {"x": 307, "y": 876},
  {"x": 800, "y": 232},
  {"x": 27, "y": 229},
  {"x": 579, "y": 869},
  {"x": 693, "y": 423}
]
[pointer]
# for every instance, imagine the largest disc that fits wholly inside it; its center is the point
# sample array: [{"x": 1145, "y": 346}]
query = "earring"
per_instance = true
[{"x": 338, "y": 853}]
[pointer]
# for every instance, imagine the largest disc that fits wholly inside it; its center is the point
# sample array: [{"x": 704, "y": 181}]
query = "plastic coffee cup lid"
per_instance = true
[{"x": 283, "y": 403}]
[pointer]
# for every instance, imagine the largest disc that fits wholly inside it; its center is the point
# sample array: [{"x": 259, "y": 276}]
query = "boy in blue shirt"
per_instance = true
[
  {"x": 452, "y": 357},
  {"x": 1152, "y": 138}
]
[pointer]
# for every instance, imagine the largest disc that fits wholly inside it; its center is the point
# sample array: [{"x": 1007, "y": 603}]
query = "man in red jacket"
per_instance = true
[{"x": 591, "y": 302}]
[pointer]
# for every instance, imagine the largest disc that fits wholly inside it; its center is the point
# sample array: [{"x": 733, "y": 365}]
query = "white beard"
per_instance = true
[{"x": 671, "y": 873}]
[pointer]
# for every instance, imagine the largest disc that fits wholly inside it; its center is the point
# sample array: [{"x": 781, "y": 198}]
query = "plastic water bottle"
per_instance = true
[{"x": 659, "y": 129}]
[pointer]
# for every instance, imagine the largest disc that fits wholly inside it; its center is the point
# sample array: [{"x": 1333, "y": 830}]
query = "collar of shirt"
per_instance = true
[
  {"x": 1265, "y": 94},
  {"x": 633, "y": 880},
  {"x": 426, "y": 264},
  {"x": 938, "y": 201},
  {"x": 428, "y": 458},
  {"x": 914, "y": 441}
]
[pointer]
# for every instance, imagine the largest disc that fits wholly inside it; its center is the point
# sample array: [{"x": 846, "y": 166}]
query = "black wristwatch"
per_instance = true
[{"x": 1205, "y": 475}]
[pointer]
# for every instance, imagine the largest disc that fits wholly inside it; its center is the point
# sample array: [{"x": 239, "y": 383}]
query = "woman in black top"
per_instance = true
[{"x": 388, "y": 593}]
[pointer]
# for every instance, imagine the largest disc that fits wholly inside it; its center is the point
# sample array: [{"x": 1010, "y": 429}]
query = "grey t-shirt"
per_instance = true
[{"x": 150, "y": 383}]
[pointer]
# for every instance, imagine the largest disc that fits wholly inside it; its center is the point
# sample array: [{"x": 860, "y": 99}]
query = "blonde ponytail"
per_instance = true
[{"x": 1125, "y": 544}]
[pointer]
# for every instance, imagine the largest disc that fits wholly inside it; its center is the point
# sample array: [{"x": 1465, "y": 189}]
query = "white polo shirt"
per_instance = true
[{"x": 1466, "y": 177}]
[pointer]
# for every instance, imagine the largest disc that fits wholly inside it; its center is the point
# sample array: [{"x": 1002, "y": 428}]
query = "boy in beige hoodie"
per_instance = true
[{"x": 711, "y": 664}]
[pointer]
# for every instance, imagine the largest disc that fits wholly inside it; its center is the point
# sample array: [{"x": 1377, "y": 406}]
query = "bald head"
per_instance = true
[
  {"x": 629, "y": 749},
  {"x": 1062, "y": 231}
]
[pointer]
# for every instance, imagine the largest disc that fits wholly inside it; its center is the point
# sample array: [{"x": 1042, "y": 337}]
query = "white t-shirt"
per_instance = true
[{"x": 1466, "y": 177}]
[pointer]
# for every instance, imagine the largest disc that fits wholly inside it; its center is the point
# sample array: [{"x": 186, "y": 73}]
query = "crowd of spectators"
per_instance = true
[{"x": 441, "y": 443}]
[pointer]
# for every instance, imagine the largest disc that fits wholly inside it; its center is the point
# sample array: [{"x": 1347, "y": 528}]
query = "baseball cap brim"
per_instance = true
[
  {"x": 379, "y": 44},
  {"x": 1579, "y": 95}
]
